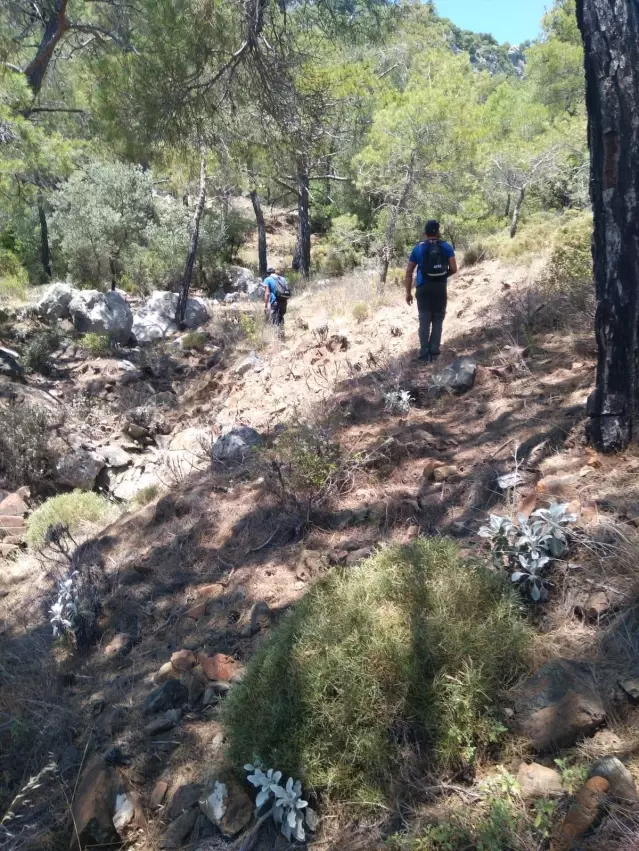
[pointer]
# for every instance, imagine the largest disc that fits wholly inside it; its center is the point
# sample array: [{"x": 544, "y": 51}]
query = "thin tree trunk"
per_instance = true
[
  {"x": 302, "y": 255},
  {"x": 45, "y": 252},
  {"x": 261, "y": 233},
  {"x": 114, "y": 274},
  {"x": 190, "y": 257},
  {"x": 507, "y": 210},
  {"x": 56, "y": 25},
  {"x": 611, "y": 39},
  {"x": 389, "y": 237},
  {"x": 516, "y": 212}
]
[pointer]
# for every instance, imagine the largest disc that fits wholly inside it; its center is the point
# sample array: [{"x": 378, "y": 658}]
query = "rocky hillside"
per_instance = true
[{"x": 235, "y": 471}]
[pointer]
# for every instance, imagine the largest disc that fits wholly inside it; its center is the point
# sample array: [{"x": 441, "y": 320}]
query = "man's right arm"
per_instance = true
[{"x": 452, "y": 266}]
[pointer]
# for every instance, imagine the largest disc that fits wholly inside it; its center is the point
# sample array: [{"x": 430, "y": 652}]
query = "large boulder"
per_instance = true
[
  {"x": 155, "y": 319},
  {"x": 236, "y": 444},
  {"x": 102, "y": 313},
  {"x": 242, "y": 280},
  {"x": 79, "y": 469},
  {"x": 55, "y": 301},
  {"x": 559, "y": 705}
]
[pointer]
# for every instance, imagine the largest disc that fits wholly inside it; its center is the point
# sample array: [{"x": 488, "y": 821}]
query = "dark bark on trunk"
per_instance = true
[
  {"x": 507, "y": 210},
  {"x": 190, "y": 258},
  {"x": 114, "y": 274},
  {"x": 389, "y": 238},
  {"x": 56, "y": 25},
  {"x": 302, "y": 255},
  {"x": 261, "y": 234},
  {"x": 611, "y": 39},
  {"x": 45, "y": 253},
  {"x": 516, "y": 213}
]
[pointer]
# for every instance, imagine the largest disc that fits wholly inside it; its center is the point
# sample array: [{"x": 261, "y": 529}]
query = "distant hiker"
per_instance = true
[
  {"x": 276, "y": 295},
  {"x": 435, "y": 262}
]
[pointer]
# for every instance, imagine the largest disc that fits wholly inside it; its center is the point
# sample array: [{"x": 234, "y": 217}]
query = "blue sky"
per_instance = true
[{"x": 508, "y": 20}]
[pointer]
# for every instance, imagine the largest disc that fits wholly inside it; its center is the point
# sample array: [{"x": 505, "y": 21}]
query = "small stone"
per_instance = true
[
  {"x": 210, "y": 698},
  {"x": 118, "y": 646},
  {"x": 620, "y": 780},
  {"x": 238, "y": 808},
  {"x": 11, "y": 523},
  {"x": 178, "y": 830},
  {"x": 210, "y": 592},
  {"x": 124, "y": 811},
  {"x": 219, "y": 667},
  {"x": 185, "y": 797},
  {"x": 164, "y": 722},
  {"x": 184, "y": 660},
  {"x": 94, "y": 805},
  {"x": 583, "y": 812},
  {"x": 165, "y": 673},
  {"x": 605, "y": 741},
  {"x": 443, "y": 474},
  {"x": 13, "y": 505},
  {"x": 7, "y": 549},
  {"x": 558, "y": 485},
  {"x": 595, "y": 607},
  {"x": 631, "y": 688},
  {"x": 169, "y": 695},
  {"x": 159, "y": 791},
  {"x": 196, "y": 612},
  {"x": 537, "y": 781}
]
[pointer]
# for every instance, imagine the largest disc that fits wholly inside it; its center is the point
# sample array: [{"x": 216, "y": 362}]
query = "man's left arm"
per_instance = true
[
  {"x": 452, "y": 266},
  {"x": 408, "y": 281}
]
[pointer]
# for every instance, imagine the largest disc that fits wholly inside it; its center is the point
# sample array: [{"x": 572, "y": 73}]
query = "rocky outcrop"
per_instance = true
[
  {"x": 78, "y": 469},
  {"x": 155, "y": 319},
  {"x": 101, "y": 313},
  {"x": 55, "y": 301},
  {"x": 236, "y": 444}
]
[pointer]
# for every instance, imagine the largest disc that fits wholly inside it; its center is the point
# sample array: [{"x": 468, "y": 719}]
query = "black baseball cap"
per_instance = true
[
  {"x": 432, "y": 227},
  {"x": 270, "y": 270}
]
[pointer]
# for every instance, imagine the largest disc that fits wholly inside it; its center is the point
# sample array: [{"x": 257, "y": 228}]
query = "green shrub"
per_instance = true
[
  {"x": 195, "y": 340},
  {"x": 360, "y": 311},
  {"x": 97, "y": 345},
  {"x": 74, "y": 510},
  {"x": 145, "y": 496},
  {"x": 475, "y": 253},
  {"x": 383, "y": 666},
  {"x": 252, "y": 327},
  {"x": 37, "y": 353},
  {"x": 25, "y": 454},
  {"x": 568, "y": 276},
  {"x": 13, "y": 277}
]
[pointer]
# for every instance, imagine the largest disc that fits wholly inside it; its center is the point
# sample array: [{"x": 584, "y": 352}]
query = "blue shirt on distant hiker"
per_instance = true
[
  {"x": 276, "y": 295},
  {"x": 435, "y": 262}
]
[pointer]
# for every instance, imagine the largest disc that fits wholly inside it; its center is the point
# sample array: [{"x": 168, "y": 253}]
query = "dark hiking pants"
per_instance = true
[
  {"x": 431, "y": 304},
  {"x": 278, "y": 312}
]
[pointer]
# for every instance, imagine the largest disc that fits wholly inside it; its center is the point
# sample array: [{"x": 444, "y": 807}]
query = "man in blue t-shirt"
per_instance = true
[
  {"x": 435, "y": 262},
  {"x": 273, "y": 301}
]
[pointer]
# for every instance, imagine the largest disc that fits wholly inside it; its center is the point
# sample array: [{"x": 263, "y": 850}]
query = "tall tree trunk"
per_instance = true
[
  {"x": 302, "y": 255},
  {"x": 190, "y": 257},
  {"x": 261, "y": 233},
  {"x": 389, "y": 237},
  {"x": 114, "y": 274},
  {"x": 611, "y": 39},
  {"x": 507, "y": 210},
  {"x": 45, "y": 253},
  {"x": 516, "y": 212},
  {"x": 55, "y": 26}
]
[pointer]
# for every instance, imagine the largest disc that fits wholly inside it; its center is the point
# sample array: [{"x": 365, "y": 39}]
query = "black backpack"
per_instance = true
[
  {"x": 434, "y": 264},
  {"x": 282, "y": 289}
]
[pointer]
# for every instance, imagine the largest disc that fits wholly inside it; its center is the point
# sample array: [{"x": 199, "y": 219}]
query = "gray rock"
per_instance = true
[
  {"x": 456, "y": 378},
  {"x": 164, "y": 722},
  {"x": 79, "y": 469},
  {"x": 170, "y": 695},
  {"x": 178, "y": 830},
  {"x": 236, "y": 444},
  {"x": 252, "y": 362},
  {"x": 54, "y": 303},
  {"x": 196, "y": 313},
  {"x": 622, "y": 784},
  {"x": 155, "y": 319},
  {"x": 102, "y": 313},
  {"x": 232, "y": 298},
  {"x": 94, "y": 805},
  {"x": 537, "y": 781},
  {"x": 124, "y": 811},
  {"x": 114, "y": 456},
  {"x": 559, "y": 705},
  {"x": 9, "y": 365},
  {"x": 242, "y": 280}
]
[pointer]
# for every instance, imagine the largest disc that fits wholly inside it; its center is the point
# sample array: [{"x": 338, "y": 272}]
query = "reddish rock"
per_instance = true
[
  {"x": 9, "y": 522},
  {"x": 94, "y": 806},
  {"x": 165, "y": 673},
  {"x": 184, "y": 660},
  {"x": 537, "y": 781},
  {"x": 582, "y": 814},
  {"x": 219, "y": 667},
  {"x": 157, "y": 795},
  {"x": 559, "y": 705},
  {"x": 197, "y": 611},
  {"x": 13, "y": 506},
  {"x": 118, "y": 646}
]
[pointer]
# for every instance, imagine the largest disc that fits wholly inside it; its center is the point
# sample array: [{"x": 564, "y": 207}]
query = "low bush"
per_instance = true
[
  {"x": 475, "y": 253},
  {"x": 13, "y": 277},
  {"x": 73, "y": 510},
  {"x": 26, "y": 457},
  {"x": 195, "y": 340},
  {"x": 567, "y": 282},
  {"x": 37, "y": 353},
  {"x": 145, "y": 496},
  {"x": 379, "y": 669},
  {"x": 97, "y": 345},
  {"x": 360, "y": 311}
]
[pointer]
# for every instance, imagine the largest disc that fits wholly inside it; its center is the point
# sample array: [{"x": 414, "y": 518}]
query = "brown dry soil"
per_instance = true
[{"x": 224, "y": 536}]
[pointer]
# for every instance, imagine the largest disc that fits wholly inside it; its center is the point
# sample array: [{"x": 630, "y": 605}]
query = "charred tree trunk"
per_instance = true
[
  {"x": 389, "y": 237},
  {"x": 302, "y": 256},
  {"x": 261, "y": 234},
  {"x": 507, "y": 210},
  {"x": 516, "y": 212},
  {"x": 55, "y": 26},
  {"x": 45, "y": 252},
  {"x": 611, "y": 39},
  {"x": 190, "y": 257}
]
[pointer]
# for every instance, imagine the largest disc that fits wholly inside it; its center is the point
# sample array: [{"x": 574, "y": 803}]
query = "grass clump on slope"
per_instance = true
[
  {"x": 76, "y": 510},
  {"x": 396, "y": 661}
]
